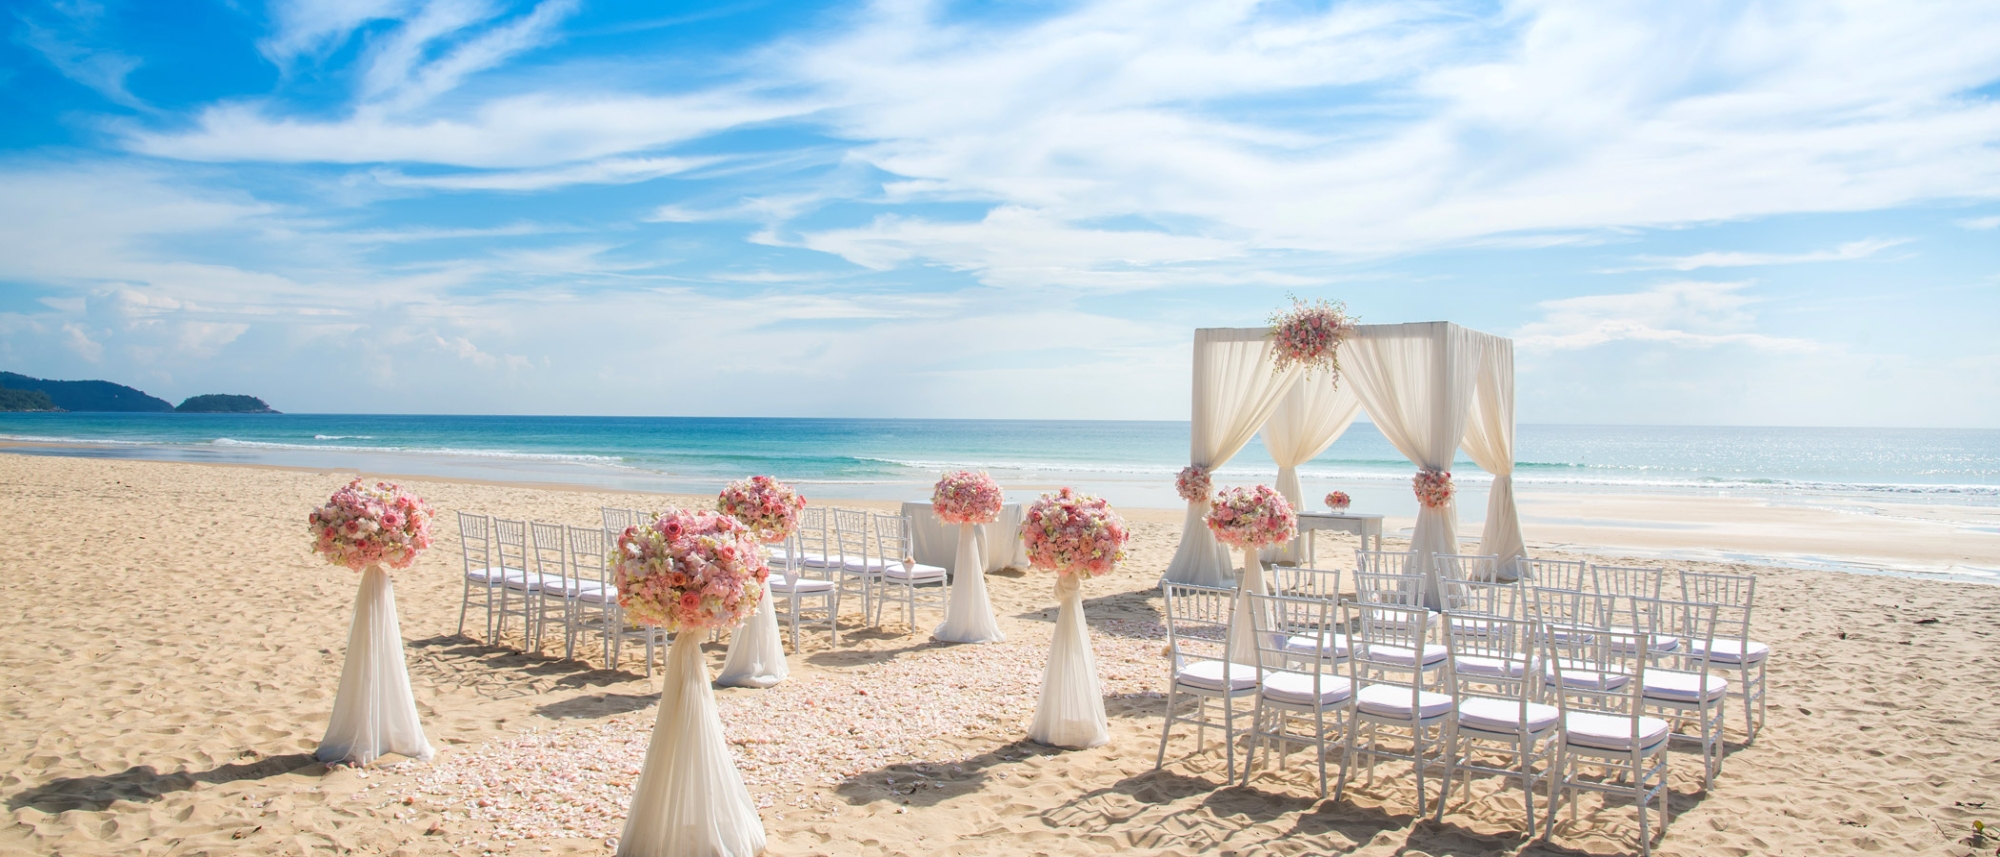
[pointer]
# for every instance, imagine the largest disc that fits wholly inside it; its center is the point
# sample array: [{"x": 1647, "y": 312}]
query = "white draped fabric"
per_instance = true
[
  {"x": 1242, "y": 633},
  {"x": 1416, "y": 381},
  {"x": 374, "y": 713},
  {"x": 934, "y": 542},
  {"x": 689, "y": 800},
  {"x": 1070, "y": 713},
  {"x": 968, "y": 614},
  {"x": 1236, "y": 387},
  {"x": 756, "y": 652},
  {"x": 1489, "y": 442},
  {"x": 1315, "y": 413}
]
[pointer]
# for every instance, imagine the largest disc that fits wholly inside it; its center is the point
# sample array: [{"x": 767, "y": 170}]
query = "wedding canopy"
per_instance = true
[{"x": 1431, "y": 388}]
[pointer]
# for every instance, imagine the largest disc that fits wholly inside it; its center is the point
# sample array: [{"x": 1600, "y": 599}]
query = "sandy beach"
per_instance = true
[{"x": 171, "y": 653}]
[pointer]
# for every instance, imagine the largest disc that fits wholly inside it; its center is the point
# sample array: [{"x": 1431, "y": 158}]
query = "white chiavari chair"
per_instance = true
[
  {"x": 1598, "y": 678},
  {"x": 1301, "y": 703},
  {"x": 1630, "y": 581},
  {"x": 1305, "y": 582},
  {"x": 1200, "y": 666},
  {"x": 1383, "y": 562},
  {"x": 812, "y": 543},
  {"x": 1481, "y": 568},
  {"x": 913, "y": 582},
  {"x": 518, "y": 594},
  {"x": 1733, "y": 651},
  {"x": 1389, "y": 690},
  {"x": 805, "y": 596},
  {"x": 860, "y": 568},
  {"x": 1404, "y": 591},
  {"x": 1495, "y": 680},
  {"x": 617, "y": 520},
  {"x": 475, "y": 541},
  {"x": 1556, "y": 574},
  {"x": 594, "y": 606},
  {"x": 550, "y": 556},
  {"x": 1678, "y": 685}
]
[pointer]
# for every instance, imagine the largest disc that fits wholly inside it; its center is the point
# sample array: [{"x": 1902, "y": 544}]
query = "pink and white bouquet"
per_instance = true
[
  {"x": 1251, "y": 518},
  {"x": 1193, "y": 483},
  {"x": 1071, "y": 533},
  {"x": 361, "y": 526},
  {"x": 1433, "y": 488},
  {"x": 689, "y": 571},
  {"x": 768, "y": 508},
  {"x": 1338, "y": 500},
  {"x": 966, "y": 497},
  {"x": 1310, "y": 334}
]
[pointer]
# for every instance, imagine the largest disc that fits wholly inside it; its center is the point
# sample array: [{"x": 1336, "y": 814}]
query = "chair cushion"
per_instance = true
[
  {"x": 1325, "y": 645},
  {"x": 1611, "y": 731},
  {"x": 801, "y": 585},
  {"x": 1661, "y": 642},
  {"x": 1677, "y": 686},
  {"x": 1732, "y": 651},
  {"x": 920, "y": 572},
  {"x": 1389, "y": 700},
  {"x": 1297, "y": 688},
  {"x": 1487, "y": 714},
  {"x": 1402, "y": 657},
  {"x": 574, "y": 587},
  {"x": 598, "y": 596},
  {"x": 1208, "y": 675},
  {"x": 1579, "y": 677},
  {"x": 492, "y": 574},
  {"x": 1481, "y": 667}
]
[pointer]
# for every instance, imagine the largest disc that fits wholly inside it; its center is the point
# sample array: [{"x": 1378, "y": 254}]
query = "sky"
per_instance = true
[{"x": 1741, "y": 213}]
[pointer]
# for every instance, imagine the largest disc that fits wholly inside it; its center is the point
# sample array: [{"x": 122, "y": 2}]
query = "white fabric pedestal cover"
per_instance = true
[
  {"x": 1070, "y": 713},
  {"x": 1243, "y": 634},
  {"x": 756, "y": 652},
  {"x": 968, "y": 615},
  {"x": 374, "y": 713},
  {"x": 689, "y": 800}
]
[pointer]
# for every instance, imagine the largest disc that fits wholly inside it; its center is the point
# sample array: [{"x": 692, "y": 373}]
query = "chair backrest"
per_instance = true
[
  {"x": 1304, "y": 582},
  {"x": 1557, "y": 573},
  {"x": 1480, "y": 568},
  {"x": 893, "y": 538},
  {"x": 1503, "y": 600},
  {"x": 618, "y": 519},
  {"x": 588, "y": 549},
  {"x": 1383, "y": 562},
  {"x": 1683, "y": 631},
  {"x": 545, "y": 546},
  {"x": 1732, "y": 595},
  {"x": 475, "y": 541},
  {"x": 813, "y": 538},
  {"x": 850, "y": 532},
  {"x": 1391, "y": 589},
  {"x": 1278, "y": 619},
  {"x": 510, "y": 539},
  {"x": 1505, "y": 649},
  {"x": 1386, "y": 641},
  {"x": 1630, "y": 580},
  {"x": 1569, "y": 607},
  {"x": 1197, "y": 622}
]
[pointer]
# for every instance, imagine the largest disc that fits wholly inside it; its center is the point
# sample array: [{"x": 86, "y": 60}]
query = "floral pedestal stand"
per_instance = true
[
  {"x": 1070, "y": 713},
  {"x": 374, "y": 713},
  {"x": 689, "y": 800},
  {"x": 756, "y": 650},
  {"x": 1242, "y": 633},
  {"x": 968, "y": 615}
]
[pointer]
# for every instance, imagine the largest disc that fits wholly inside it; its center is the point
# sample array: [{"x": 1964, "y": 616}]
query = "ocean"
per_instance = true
[{"x": 1130, "y": 463}]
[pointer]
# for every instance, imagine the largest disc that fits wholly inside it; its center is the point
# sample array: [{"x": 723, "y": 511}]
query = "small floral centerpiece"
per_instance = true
[
  {"x": 1193, "y": 483},
  {"x": 1309, "y": 335},
  {"x": 689, "y": 571},
  {"x": 1433, "y": 488},
  {"x": 966, "y": 497},
  {"x": 1338, "y": 500},
  {"x": 362, "y": 526},
  {"x": 1251, "y": 518},
  {"x": 768, "y": 508},
  {"x": 1071, "y": 533}
]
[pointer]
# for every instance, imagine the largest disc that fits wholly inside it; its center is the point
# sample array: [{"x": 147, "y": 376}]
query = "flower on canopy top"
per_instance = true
[
  {"x": 1251, "y": 518},
  {"x": 362, "y": 526},
  {"x": 966, "y": 497},
  {"x": 1071, "y": 533},
  {"x": 1309, "y": 335}
]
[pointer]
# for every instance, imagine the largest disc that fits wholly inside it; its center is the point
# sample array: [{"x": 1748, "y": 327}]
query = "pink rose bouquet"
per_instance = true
[
  {"x": 689, "y": 571},
  {"x": 1252, "y": 518},
  {"x": 1310, "y": 334},
  {"x": 1193, "y": 483},
  {"x": 966, "y": 497},
  {"x": 1071, "y": 533},
  {"x": 1338, "y": 500},
  {"x": 1433, "y": 487},
  {"x": 361, "y": 526},
  {"x": 768, "y": 508}
]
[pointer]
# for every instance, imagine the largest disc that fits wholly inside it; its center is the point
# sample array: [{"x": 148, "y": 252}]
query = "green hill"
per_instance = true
[
  {"x": 87, "y": 395},
  {"x": 222, "y": 403},
  {"x": 25, "y": 400}
]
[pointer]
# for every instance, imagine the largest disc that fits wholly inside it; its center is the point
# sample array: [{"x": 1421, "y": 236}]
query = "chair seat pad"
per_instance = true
[
  {"x": 574, "y": 588},
  {"x": 1732, "y": 651},
  {"x": 1611, "y": 731},
  {"x": 1582, "y": 678},
  {"x": 1207, "y": 675},
  {"x": 1388, "y": 700},
  {"x": 1487, "y": 714},
  {"x": 598, "y": 596},
  {"x": 1402, "y": 657},
  {"x": 493, "y": 574},
  {"x": 815, "y": 559},
  {"x": 1326, "y": 645},
  {"x": 920, "y": 572},
  {"x": 1660, "y": 642},
  {"x": 1677, "y": 686},
  {"x": 1297, "y": 688},
  {"x": 1482, "y": 667},
  {"x": 800, "y": 585}
]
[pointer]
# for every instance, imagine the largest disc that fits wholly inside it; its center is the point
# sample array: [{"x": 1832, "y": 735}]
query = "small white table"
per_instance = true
[{"x": 1368, "y": 527}]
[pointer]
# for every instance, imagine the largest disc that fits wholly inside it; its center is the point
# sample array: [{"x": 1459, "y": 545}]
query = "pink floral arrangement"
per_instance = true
[
  {"x": 1193, "y": 483},
  {"x": 1338, "y": 500},
  {"x": 1310, "y": 334},
  {"x": 1251, "y": 518},
  {"x": 1071, "y": 533},
  {"x": 966, "y": 497},
  {"x": 689, "y": 571},
  {"x": 1433, "y": 488},
  {"x": 361, "y": 526},
  {"x": 768, "y": 508}
]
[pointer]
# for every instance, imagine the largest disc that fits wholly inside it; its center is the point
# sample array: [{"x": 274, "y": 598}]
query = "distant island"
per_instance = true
[
  {"x": 223, "y": 403},
  {"x": 22, "y": 393}
]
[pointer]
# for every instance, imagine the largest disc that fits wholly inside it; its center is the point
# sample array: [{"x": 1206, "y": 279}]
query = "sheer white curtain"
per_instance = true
[
  {"x": 1489, "y": 441},
  {"x": 1416, "y": 380},
  {"x": 1236, "y": 386},
  {"x": 1310, "y": 417}
]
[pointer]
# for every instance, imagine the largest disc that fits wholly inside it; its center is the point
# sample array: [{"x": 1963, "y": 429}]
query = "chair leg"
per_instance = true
[
  {"x": 464, "y": 601},
  {"x": 1166, "y": 728}
]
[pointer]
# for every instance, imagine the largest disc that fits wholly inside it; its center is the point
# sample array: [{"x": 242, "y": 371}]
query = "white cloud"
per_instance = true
[
  {"x": 1980, "y": 222},
  {"x": 1689, "y": 314},
  {"x": 1847, "y": 252},
  {"x": 606, "y": 171},
  {"x": 101, "y": 70}
]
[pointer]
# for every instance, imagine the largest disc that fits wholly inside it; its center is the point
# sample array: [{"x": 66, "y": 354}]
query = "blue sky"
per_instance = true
[{"x": 1684, "y": 212}]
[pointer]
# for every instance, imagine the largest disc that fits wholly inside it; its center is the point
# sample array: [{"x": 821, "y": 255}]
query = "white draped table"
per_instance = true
[{"x": 933, "y": 542}]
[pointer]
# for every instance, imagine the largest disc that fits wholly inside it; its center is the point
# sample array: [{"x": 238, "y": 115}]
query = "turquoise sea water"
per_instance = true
[{"x": 1131, "y": 463}]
